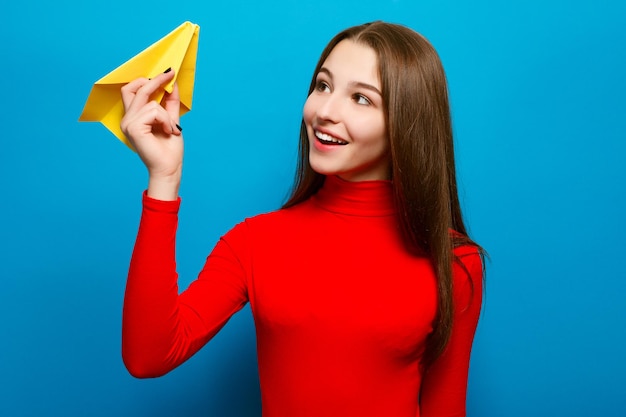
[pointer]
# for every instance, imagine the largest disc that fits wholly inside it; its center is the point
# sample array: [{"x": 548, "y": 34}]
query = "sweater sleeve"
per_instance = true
[
  {"x": 160, "y": 328},
  {"x": 444, "y": 387}
]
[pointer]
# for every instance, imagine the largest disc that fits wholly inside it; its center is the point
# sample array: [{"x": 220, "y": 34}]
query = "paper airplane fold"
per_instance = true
[{"x": 177, "y": 50}]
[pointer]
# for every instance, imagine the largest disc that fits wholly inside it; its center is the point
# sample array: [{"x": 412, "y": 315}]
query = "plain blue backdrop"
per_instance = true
[{"x": 538, "y": 98}]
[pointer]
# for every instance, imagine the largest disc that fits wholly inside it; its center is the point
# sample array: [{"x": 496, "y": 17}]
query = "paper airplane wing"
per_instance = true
[{"x": 177, "y": 50}]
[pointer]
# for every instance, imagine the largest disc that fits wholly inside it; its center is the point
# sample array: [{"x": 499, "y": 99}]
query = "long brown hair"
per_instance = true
[{"x": 417, "y": 117}]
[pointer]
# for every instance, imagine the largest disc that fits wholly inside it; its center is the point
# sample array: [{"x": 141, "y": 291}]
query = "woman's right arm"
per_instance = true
[{"x": 161, "y": 329}]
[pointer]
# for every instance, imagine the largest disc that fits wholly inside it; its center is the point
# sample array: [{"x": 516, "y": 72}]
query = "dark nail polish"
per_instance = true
[
  {"x": 167, "y": 70},
  {"x": 179, "y": 128}
]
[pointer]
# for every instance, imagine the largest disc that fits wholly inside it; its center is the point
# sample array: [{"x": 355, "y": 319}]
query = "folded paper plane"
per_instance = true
[{"x": 177, "y": 50}]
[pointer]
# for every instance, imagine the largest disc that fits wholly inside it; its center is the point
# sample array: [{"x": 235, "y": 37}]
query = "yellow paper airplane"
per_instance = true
[{"x": 177, "y": 50}]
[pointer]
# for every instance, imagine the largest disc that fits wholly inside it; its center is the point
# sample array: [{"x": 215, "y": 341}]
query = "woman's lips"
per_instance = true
[{"x": 329, "y": 140}]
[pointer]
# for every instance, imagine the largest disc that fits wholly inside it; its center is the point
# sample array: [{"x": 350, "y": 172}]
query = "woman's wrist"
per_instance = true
[{"x": 164, "y": 188}]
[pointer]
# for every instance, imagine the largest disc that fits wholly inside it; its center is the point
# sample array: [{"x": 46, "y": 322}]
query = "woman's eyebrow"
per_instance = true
[
  {"x": 366, "y": 86},
  {"x": 358, "y": 84}
]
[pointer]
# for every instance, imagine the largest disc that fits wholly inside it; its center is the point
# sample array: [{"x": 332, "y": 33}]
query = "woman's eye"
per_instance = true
[
  {"x": 361, "y": 99},
  {"x": 321, "y": 86}
]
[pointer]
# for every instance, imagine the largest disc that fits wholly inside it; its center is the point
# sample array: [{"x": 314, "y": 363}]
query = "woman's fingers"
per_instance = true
[
  {"x": 149, "y": 117},
  {"x": 145, "y": 117},
  {"x": 152, "y": 127},
  {"x": 138, "y": 92},
  {"x": 130, "y": 90},
  {"x": 171, "y": 102}
]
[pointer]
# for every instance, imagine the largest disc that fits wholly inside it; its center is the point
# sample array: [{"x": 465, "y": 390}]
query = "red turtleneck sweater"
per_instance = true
[{"x": 342, "y": 311}]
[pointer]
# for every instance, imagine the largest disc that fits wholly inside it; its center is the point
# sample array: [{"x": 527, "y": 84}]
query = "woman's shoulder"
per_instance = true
[
  {"x": 273, "y": 221},
  {"x": 468, "y": 256},
  {"x": 463, "y": 245},
  {"x": 467, "y": 250},
  {"x": 468, "y": 274},
  {"x": 270, "y": 230},
  {"x": 281, "y": 216}
]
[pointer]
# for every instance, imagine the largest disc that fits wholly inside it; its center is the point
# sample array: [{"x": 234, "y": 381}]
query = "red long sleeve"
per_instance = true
[{"x": 342, "y": 312}]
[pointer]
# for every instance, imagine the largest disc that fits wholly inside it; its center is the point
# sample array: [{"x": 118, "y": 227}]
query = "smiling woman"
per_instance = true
[
  {"x": 345, "y": 118},
  {"x": 365, "y": 287}
]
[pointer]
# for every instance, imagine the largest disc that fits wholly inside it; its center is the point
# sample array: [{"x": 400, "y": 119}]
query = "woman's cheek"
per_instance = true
[{"x": 307, "y": 112}]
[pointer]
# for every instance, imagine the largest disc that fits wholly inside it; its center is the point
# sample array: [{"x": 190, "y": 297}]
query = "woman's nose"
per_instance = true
[{"x": 329, "y": 108}]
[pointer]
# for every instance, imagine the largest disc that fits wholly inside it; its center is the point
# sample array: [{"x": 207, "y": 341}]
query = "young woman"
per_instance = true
[{"x": 365, "y": 288}]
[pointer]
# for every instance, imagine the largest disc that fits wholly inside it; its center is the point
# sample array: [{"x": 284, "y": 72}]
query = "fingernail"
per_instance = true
[
  {"x": 167, "y": 70},
  {"x": 179, "y": 128}
]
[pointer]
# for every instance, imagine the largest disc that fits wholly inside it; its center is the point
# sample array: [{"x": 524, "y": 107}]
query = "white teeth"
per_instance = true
[{"x": 328, "y": 138}]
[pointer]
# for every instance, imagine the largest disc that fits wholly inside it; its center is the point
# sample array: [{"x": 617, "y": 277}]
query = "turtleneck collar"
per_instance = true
[{"x": 359, "y": 198}]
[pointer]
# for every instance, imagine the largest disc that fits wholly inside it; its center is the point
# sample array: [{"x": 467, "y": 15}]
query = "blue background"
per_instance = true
[{"x": 537, "y": 92}]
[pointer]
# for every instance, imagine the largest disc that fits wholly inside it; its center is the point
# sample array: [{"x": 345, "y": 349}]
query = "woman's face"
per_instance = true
[{"x": 344, "y": 116}]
